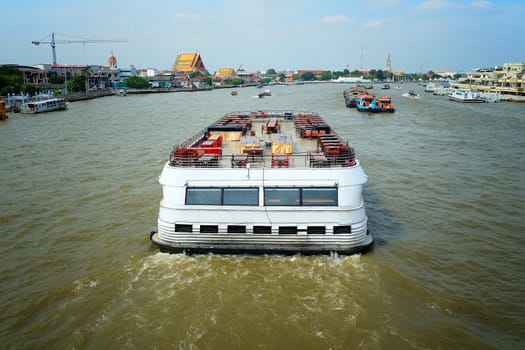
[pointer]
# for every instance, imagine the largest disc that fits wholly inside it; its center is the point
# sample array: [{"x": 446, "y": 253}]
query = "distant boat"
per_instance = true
[
  {"x": 122, "y": 92},
  {"x": 352, "y": 95},
  {"x": 384, "y": 104},
  {"x": 15, "y": 102},
  {"x": 372, "y": 104},
  {"x": 234, "y": 93},
  {"x": 413, "y": 94},
  {"x": 430, "y": 87},
  {"x": 466, "y": 95},
  {"x": 53, "y": 104},
  {"x": 386, "y": 86},
  {"x": 3, "y": 110},
  {"x": 265, "y": 93},
  {"x": 366, "y": 103}
]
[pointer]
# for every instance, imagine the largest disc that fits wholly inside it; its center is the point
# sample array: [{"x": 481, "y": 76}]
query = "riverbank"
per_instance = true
[{"x": 81, "y": 96}]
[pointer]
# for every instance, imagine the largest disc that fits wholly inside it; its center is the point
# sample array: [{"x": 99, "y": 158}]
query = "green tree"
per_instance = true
[
  {"x": 372, "y": 74},
  {"x": 195, "y": 74},
  {"x": 233, "y": 81},
  {"x": 308, "y": 76},
  {"x": 30, "y": 89},
  {"x": 434, "y": 75},
  {"x": 56, "y": 80},
  {"x": 326, "y": 75},
  {"x": 380, "y": 75},
  {"x": 11, "y": 80},
  {"x": 76, "y": 84},
  {"x": 137, "y": 82},
  {"x": 271, "y": 71}
]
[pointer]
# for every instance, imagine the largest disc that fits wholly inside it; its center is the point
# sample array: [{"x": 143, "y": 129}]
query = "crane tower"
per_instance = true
[{"x": 53, "y": 43}]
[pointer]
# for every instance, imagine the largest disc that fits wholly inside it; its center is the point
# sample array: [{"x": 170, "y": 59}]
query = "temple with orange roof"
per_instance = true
[{"x": 188, "y": 63}]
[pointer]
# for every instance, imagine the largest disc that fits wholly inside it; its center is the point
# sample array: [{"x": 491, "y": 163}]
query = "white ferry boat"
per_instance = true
[
  {"x": 466, "y": 95},
  {"x": 263, "y": 182},
  {"x": 53, "y": 104}
]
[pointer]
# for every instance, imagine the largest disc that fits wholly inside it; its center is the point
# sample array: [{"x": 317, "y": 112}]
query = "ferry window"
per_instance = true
[
  {"x": 342, "y": 229},
  {"x": 183, "y": 228},
  {"x": 319, "y": 196},
  {"x": 262, "y": 229},
  {"x": 236, "y": 229},
  {"x": 209, "y": 229},
  {"x": 241, "y": 196},
  {"x": 306, "y": 196},
  {"x": 316, "y": 230},
  {"x": 281, "y": 196},
  {"x": 209, "y": 196},
  {"x": 287, "y": 230}
]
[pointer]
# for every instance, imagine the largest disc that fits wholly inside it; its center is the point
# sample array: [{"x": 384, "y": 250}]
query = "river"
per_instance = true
[{"x": 445, "y": 199}]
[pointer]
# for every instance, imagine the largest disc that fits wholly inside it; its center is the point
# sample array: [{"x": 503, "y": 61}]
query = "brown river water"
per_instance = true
[{"x": 445, "y": 199}]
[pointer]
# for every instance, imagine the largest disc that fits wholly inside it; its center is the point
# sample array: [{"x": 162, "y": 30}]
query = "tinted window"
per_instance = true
[
  {"x": 281, "y": 196},
  {"x": 241, "y": 196},
  {"x": 319, "y": 196},
  {"x": 211, "y": 196}
]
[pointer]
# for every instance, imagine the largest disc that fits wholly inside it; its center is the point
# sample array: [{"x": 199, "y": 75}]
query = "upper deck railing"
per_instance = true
[{"x": 217, "y": 146}]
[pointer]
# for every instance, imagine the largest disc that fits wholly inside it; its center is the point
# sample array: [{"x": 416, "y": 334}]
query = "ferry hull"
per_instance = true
[{"x": 237, "y": 244}]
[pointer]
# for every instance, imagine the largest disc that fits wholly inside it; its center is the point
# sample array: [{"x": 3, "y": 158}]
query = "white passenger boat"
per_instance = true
[
  {"x": 466, "y": 95},
  {"x": 263, "y": 182},
  {"x": 53, "y": 104}
]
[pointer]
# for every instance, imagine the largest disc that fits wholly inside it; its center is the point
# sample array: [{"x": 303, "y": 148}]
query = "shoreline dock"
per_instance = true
[{"x": 506, "y": 93}]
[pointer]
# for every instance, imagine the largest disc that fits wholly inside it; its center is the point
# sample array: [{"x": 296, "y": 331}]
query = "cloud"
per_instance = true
[
  {"x": 481, "y": 4},
  {"x": 445, "y": 4},
  {"x": 377, "y": 23},
  {"x": 335, "y": 19}
]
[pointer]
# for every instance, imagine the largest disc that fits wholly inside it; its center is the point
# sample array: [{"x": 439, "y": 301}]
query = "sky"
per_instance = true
[{"x": 419, "y": 35}]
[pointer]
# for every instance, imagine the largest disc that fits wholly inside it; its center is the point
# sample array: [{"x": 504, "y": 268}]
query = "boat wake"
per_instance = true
[{"x": 411, "y": 95}]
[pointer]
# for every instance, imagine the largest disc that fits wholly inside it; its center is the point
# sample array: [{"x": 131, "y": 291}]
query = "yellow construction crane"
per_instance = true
[{"x": 53, "y": 43}]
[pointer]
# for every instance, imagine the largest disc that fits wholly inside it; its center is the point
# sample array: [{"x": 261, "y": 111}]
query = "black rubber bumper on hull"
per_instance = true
[{"x": 168, "y": 247}]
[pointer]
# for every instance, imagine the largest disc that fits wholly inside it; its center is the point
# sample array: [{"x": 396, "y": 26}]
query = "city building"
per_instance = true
[{"x": 510, "y": 75}]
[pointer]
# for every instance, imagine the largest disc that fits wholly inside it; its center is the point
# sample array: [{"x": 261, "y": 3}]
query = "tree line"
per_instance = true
[{"x": 12, "y": 81}]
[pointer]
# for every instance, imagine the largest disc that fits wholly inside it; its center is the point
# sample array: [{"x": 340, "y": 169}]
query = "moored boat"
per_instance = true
[
  {"x": 263, "y": 182},
  {"x": 466, "y": 95},
  {"x": 53, "y": 104},
  {"x": 3, "y": 111}
]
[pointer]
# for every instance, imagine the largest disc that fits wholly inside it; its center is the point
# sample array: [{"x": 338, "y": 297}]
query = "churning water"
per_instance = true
[{"x": 445, "y": 200}]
